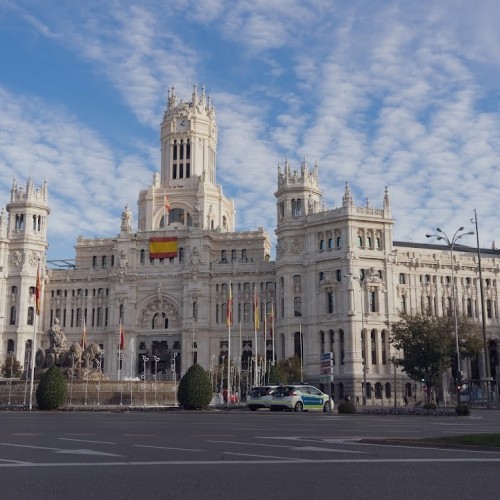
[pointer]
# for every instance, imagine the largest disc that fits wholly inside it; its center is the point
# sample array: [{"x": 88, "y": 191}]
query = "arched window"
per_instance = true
[
  {"x": 387, "y": 390},
  {"x": 10, "y": 346},
  {"x": 176, "y": 215}
]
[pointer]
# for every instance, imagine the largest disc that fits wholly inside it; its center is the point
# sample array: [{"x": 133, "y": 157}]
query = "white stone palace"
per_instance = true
[{"x": 337, "y": 273}]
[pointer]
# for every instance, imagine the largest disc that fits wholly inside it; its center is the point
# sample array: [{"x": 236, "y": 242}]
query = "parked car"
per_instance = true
[
  {"x": 299, "y": 398},
  {"x": 260, "y": 397}
]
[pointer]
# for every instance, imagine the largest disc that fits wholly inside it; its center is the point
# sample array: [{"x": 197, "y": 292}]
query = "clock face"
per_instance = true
[{"x": 182, "y": 124}]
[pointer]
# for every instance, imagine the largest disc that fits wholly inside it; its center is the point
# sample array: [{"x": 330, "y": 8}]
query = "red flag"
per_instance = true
[
  {"x": 229, "y": 312},
  {"x": 122, "y": 337},
  {"x": 167, "y": 204},
  {"x": 38, "y": 290}
]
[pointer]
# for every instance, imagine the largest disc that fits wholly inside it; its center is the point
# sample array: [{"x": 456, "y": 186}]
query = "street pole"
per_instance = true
[
  {"x": 451, "y": 243},
  {"x": 483, "y": 313}
]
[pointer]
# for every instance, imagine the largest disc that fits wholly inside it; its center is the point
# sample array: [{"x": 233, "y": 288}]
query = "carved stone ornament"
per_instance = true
[
  {"x": 16, "y": 258},
  {"x": 158, "y": 306}
]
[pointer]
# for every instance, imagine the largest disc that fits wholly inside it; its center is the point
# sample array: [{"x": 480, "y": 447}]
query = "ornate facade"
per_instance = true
[{"x": 337, "y": 283}]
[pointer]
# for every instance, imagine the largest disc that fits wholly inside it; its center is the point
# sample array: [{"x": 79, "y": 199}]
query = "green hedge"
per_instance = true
[
  {"x": 195, "y": 389},
  {"x": 52, "y": 390}
]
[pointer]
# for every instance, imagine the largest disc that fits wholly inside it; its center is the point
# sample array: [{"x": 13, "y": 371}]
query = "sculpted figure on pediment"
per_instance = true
[{"x": 159, "y": 314}]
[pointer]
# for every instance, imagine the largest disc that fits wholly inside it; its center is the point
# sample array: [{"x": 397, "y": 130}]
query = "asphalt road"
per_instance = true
[{"x": 240, "y": 455}]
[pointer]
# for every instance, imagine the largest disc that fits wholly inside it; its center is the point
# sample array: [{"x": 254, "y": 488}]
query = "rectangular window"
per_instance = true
[
  {"x": 330, "y": 302},
  {"x": 489, "y": 310},
  {"x": 99, "y": 316},
  {"x": 31, "y": 315},
  {"x": 372, "y": 296},
  {"x": 297, "y": 303}
]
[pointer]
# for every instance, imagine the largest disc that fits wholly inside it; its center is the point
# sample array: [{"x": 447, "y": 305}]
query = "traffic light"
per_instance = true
[{"x": 459, "y": 377}]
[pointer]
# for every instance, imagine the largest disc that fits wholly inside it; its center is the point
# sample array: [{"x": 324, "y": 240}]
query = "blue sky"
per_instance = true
[{"x": 379, "y": 93}]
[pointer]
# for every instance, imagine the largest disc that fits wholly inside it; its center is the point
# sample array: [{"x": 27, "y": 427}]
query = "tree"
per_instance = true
[
  {"x": 429, "y": 344},
  {"x": 52, "y": 389},
  {"x": 286, "y": 371},
  {"x": 195, "y": 389},
  {"x": 11, "y": 368}
]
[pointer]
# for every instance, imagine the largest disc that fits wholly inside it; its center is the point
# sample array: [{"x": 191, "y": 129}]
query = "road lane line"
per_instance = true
[
  {"x": 288, "y": 459},
  {"x": 281, "y": 461},
  {"x": 164, "y": 447},
  {"x": 86, "y": 441}
]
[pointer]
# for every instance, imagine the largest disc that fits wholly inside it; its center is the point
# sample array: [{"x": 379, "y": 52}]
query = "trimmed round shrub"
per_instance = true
[
  {"x": 52, "y": 390},
  {"x": 195, "y": 389},
  {"x": 346, "y": 407},
  {"x": 462, "y": 410}
]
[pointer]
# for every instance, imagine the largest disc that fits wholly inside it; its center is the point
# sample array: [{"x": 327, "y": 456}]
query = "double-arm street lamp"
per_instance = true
[
  {"x": 442, "y": 236},
  {"x": 361, "y": 283}
]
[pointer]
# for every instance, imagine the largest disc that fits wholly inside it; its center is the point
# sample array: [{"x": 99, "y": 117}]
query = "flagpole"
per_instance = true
[
  {"x": 229, "y": 316},
  {"x": 255, "y": 383},
  {"x": 164, "y": 212},
  {"x": 301, "y": 353},
  {"x": 38, "y": 298},
  {"x": 240, "y": 350},
  {"x": 265, "y": 339},
  {"x": 32, "y": 375},
  {"x": 272, "y": 326},
  {"x": 119, "y": 349}
]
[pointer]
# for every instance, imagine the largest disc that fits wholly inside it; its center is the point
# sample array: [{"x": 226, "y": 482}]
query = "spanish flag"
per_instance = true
[{"x": 163, "y": 248}]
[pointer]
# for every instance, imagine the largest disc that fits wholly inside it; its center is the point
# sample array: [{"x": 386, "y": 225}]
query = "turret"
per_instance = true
[{"x": 298, "y": 193}]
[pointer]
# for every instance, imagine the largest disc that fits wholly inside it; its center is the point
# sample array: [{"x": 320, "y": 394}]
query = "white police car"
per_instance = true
[{"x": 300, "y": 398}]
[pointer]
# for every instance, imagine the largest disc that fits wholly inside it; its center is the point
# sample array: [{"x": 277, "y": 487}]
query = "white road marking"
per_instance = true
[
  {"x": 267, "y": 456},
  {"x": 318, "y": 448},
  {"x": 61, "y": 450},
  {"x": 164, "y": 447},
  {"x": 293, "y": 448},
  {"x": 86, "y": 441},
  {"x": 281, "y": 461},
  {"x": 88, "y": 452}
]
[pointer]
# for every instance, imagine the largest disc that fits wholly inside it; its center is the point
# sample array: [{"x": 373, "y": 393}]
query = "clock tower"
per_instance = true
[{"x": 187, "y": 182}]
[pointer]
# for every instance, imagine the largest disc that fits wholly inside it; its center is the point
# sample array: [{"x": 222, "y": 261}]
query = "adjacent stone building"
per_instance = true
[{"x": 336, "y": 285}]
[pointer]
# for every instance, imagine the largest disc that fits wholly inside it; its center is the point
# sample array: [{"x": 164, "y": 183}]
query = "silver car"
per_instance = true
[{"x": 260, "y": 397}]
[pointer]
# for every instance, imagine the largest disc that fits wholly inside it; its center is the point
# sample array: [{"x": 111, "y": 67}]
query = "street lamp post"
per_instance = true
[
  {"x": 483, "y": 313},
  {"x": 442, "y": 236},
  {"x": 361, "y": 283}
]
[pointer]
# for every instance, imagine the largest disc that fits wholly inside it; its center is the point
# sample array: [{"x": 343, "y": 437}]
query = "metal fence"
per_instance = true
[{"x": 16, "y": 393}]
